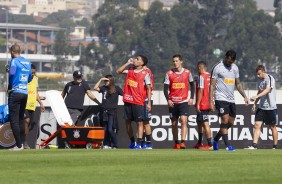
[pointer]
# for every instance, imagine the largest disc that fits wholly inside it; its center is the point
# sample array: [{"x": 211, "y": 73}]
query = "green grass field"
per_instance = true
[{"x": 140, "y": 166}]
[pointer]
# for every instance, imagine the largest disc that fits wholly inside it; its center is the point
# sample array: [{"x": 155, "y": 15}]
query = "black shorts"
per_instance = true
[
  {"x": 203, "y": 116},
  {"x": 147, "y": 114},
  {"x": 180, "y": 109},
  {"x": 224, "y": 107},
  {"x": 133, "y": 112},
  {"x": 28, "y": 114},
  {"x": 269, "y": 117}
]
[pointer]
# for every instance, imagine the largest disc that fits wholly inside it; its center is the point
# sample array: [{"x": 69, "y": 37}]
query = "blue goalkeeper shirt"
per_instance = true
[{"x": 19, "y": 75}]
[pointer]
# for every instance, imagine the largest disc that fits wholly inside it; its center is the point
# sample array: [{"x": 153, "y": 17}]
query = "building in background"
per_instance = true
[
  {"x": 36, "y": 7},
  {"x": 168, "y": 4},
  {"x": 85, "y": 8},
  {"x": 267, "y": 6}
]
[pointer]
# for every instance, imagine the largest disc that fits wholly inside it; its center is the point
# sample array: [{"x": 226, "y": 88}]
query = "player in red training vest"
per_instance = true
[
  {"x": 146, "y": 139},
  {"x": 177, "y": 82},
  {"x": 202, "y": 106},
  {"x": 137, "y": 88}
]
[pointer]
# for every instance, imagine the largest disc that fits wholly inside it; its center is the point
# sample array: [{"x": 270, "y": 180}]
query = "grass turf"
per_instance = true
[{"x": 140, "y": 166}]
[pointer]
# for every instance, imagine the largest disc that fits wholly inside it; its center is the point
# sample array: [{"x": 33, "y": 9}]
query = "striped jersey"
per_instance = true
[
  {"x": 268, "y": 101},
  {"x": 225, "y": 81}
]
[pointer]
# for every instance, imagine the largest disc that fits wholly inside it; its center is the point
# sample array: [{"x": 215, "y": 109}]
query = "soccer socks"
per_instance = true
[
  {"x": 209, "y": 141},
  {"x": 132, "y": 139},
  {"x": 225, "y": 139},
  {"x": 139, "y": 141},
  {"x": 148, "y": 139},
  {"x": 200, "y": 138},
  {"x": 218, "y": 136}
]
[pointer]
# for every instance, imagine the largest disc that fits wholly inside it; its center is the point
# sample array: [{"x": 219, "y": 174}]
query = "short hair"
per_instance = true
[
  {"x": 33, "y": 66},
  {"x": 260, "y": 67},
  {"x": 15, "y": 48},
  {"x": 179, "y": 56},
  {"x": 231, "y": 53},
  {"x": 144, "y": 59},
  {"x": 202, "y": 63}
]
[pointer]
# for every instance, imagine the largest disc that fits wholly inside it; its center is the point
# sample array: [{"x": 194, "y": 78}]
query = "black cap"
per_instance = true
[{"x": 77, "y": 74}]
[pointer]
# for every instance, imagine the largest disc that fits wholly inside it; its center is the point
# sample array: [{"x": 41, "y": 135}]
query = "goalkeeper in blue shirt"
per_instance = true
[{"x": 19, "y": 76}]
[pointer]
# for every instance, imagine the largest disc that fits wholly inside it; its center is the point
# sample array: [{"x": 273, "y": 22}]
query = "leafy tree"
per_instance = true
[
  {"x": 117, "y": 24},
  {"x": 61, "y": 18},
  {"x": 158, "y": 40},
  {"x": 278, "y": 10},
  {"x": 256, "y": 39},
  {"x": 21, "y": 19},
  {"x": 84, "y": 22},
  {"x": 14, "y": 18},
  {"x": 186, "y": 28},
  {"x": 61, "y": 50}
]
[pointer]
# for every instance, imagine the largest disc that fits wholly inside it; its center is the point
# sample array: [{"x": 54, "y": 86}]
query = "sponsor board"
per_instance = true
[{"x": 240, "y": 135}]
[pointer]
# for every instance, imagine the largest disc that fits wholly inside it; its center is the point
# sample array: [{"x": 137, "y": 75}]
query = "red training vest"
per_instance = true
[
  {"x": 135, "y": 90},
  {"x": 178, "y": 85},
  {"x": 204, "y": 104}
]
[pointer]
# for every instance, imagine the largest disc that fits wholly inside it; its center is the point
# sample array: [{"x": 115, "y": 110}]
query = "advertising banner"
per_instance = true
[{"x": 240, "y": 135}]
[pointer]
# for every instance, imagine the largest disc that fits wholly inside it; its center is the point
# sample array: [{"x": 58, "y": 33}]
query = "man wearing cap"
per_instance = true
[{"x": 74, "y": 93}]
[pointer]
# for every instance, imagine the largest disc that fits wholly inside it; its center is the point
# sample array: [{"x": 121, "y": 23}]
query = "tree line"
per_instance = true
[{"x": 197, "y": 31}]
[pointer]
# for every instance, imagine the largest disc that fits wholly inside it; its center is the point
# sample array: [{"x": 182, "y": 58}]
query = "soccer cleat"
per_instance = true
[
  {"x": 138, "y": 146},
  {"x": 198, "y": 146},
  {"x": 229, "y": 148},
  {"x": 25, "y": 145},
  {"x": 250, "y": 148},
  {"x": 215, "y": 146},
  {"x": 16, "y": 148},
  {"x": 206, "y": 147},
  {"x": 107, "y": 147},
  {"x": 176, "y": 146},
  {"x": 148, "y": 146},
  {"x": 182, "y": 146},
  {"x": 132, "y": 145},
  {"x": 143, "y": 145}
]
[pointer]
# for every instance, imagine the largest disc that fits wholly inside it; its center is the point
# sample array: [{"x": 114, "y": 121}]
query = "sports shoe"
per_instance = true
[
  {"x": 176, "y": 146},
  {"x": 138, "y": 146},
  {"x": 107, "y": 147},
  {"x": 182, "y": 146},
  {"x": 16, "y": 148},
  {"x": 143, "y": 145},
  {"x": 148, "y": 146},
  {"x": 206, "y": 147},
  {"x": 229, "y": 148},
  {"x": 25, "y": 145},
  {"x": 132, "y": 145},
  {"x": 215, "y": 146},
  {"x": 250, "y": 148},
  {"x": 198, "y": 146}
]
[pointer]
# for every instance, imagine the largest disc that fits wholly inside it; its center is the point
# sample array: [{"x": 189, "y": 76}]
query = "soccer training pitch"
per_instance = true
[{"x": 81, "y": 166}]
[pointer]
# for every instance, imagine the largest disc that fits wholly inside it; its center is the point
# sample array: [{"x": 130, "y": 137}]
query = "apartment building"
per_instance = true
[{"x": 35, "y": 7}]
